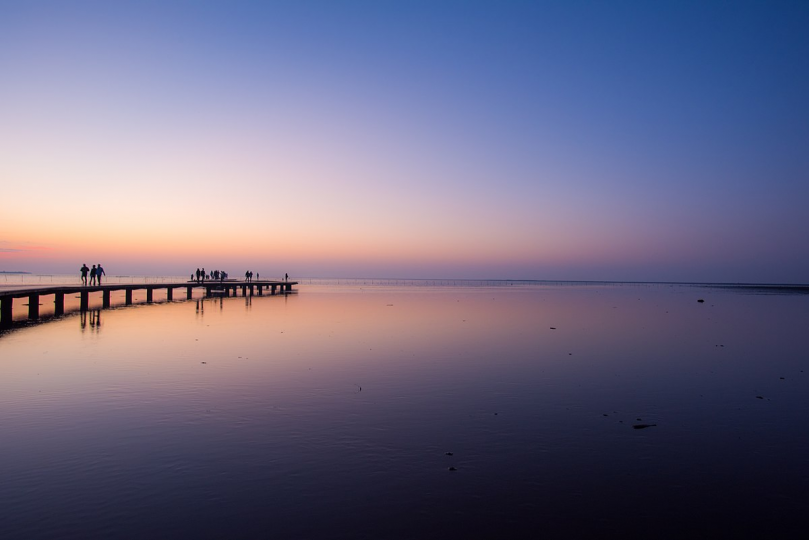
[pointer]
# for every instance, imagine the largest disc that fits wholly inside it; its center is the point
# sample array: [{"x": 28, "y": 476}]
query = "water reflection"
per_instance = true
[
  {"x": 248, "y": 418},
  {"x": 94, "y": 318}
]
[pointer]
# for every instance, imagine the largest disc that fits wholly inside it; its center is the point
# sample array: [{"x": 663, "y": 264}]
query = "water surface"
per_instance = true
[{"x": 332, "y": 413}]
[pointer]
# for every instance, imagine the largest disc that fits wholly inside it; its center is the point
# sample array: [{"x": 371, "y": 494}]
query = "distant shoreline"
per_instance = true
[{"x": 6, "y": 272}]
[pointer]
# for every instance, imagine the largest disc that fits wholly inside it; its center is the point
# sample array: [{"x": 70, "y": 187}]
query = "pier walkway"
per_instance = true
[{"x": 212, "y": 288}]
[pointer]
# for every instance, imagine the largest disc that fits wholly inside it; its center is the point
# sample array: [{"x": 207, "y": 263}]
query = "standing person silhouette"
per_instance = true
[
  {"x": 197, "y": 275},
  {"x": 93, "y": 275},
  {"x": 99, "y": 272},
  {"x": 84, "y": 271},
  {"x": 286, "y": 277}
]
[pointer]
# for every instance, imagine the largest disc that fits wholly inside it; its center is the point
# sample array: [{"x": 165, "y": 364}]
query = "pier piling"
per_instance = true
[
  {"x": 33, "y": 306},
  {"x": 5, "y": 310}
]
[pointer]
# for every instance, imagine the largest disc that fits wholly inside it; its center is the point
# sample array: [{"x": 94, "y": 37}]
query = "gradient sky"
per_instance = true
[{"x": 616, "y": 140}]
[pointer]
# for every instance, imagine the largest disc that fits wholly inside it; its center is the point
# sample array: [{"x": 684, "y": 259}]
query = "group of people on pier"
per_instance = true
[
  {"x": 219, "y": 275},
  {"x": 215, "y": 275},
  {"x": 95, "y": 274}
]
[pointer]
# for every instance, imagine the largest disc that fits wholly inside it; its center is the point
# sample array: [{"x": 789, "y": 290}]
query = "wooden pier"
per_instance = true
[{"x": 223, "y": 288}]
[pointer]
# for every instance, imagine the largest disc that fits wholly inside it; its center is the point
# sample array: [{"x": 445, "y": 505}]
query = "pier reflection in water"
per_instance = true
[{"x": 338, "y": 413}]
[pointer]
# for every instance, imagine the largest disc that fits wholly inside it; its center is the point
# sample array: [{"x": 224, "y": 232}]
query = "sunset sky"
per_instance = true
[{"x": 603, "y": 140}]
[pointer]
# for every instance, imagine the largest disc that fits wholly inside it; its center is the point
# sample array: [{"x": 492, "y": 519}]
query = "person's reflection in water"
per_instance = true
[
  {"x": 83, "y": 320},
  {"x": 248, "y": 301},
  {"x": 95, "y": 320},
  {"x": 200, "y": 307},
  {"x": 221, "y": 303}
]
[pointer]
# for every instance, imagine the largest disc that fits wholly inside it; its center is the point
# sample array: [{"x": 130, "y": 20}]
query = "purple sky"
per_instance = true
[{"x": 660, "y": 141}]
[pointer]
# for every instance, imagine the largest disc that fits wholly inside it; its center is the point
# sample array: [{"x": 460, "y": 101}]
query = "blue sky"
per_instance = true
[{"x": 535, "y": 140}]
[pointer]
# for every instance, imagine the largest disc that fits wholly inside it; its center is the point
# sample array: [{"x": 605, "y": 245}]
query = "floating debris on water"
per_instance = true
[{"x": 643, "y": 426}]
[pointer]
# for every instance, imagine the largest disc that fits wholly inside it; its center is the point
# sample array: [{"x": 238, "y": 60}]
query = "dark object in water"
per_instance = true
[
  {"x": 553, "y": 328},
  {"x": 759, "y": 397},
  {"x": 643, "y": 426},
  {"x": 447, "y": 453},
  {"x": 452, "y": 469},
  {"x": 700, "y": 300}
]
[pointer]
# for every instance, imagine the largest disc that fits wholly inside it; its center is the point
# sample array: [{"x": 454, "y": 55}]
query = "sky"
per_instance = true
[{"x": 559, "y": 140}]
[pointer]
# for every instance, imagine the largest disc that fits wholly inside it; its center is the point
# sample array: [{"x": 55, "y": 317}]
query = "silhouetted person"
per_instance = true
[
  {"x": 93, "y": 275},
  {"x": 84, "y": 271},
  {"x": 247, "y": 276},
  {"x": 99, "y": 272},
  {"x": 197, "y": 275},
  {"x": 258, "y": 276},
  {"x": 203, "y": 274},
  {"x": 286, "y": 277}
]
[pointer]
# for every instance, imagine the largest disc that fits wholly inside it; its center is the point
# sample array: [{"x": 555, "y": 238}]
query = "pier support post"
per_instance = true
[
  {"x": 85, "y": 300},
  {"x": 59, "y": 303},
  {"x": 33, "y": 306},
  {"x": 149, "y": 294},
  {"x": 272, "y": 289},
  {"x": 105, "y": 299},
  {"x": 169, "y": 294},
  {"x": 207, "y": 291},
  {"x": 128, "y": 299},
  {"x": 188, "y": 293},
  {"x": 244, "y": 290},
  {"x": 5, "y": 311},
  {"x": 261, "y": 290}
]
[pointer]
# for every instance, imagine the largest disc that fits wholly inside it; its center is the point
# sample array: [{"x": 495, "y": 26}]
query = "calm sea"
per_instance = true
[{"x": 401, "y": 409}]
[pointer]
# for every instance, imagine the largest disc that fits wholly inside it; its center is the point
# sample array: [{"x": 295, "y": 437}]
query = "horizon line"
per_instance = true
[{"x": 503, "y": 280}]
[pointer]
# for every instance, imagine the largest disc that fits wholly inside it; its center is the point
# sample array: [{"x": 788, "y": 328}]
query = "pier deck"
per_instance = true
[{"x": 33, "y": 295}]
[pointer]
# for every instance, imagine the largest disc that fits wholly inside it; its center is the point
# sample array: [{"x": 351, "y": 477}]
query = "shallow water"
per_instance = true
[{"x": 329, "y": 414}]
